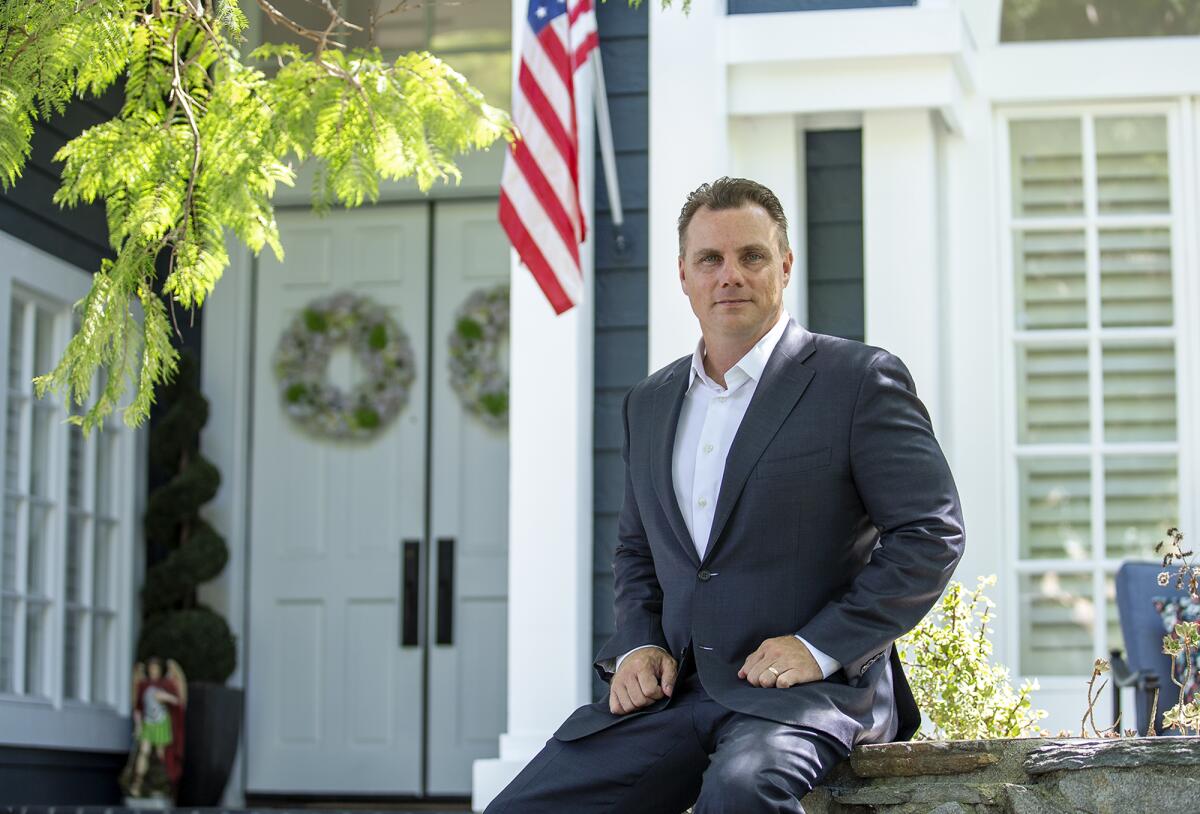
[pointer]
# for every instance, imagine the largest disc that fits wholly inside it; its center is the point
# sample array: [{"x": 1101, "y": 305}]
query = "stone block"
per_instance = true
[
  {"x": 1121, "y": 791},
  {"x": 1022, "y": 800},
  {"x": 1114, "y": 753}
]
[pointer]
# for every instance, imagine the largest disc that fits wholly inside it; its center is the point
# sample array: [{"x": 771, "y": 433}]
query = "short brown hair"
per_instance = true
[{"x": 733, "y": 193}]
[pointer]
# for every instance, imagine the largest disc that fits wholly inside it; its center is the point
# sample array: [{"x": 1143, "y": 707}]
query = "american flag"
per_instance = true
[{"x": 539, "y": 191}]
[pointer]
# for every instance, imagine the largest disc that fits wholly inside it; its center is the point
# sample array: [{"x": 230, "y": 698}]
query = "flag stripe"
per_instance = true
[
  {"x": 549, "y": 81},
  {"x": 556, "y": 53},
  {"x": 551, "y": 162},
  {"x": 539, "y": 207},
  {"x": 578, "y": 9},
  {"x": 549, "y": 241},
  {"x": 547, "y": 198},
  {"x": 527, "y": 248},
  {"x": 583, "y": 51},
  {"x": 540, "y": 109}
]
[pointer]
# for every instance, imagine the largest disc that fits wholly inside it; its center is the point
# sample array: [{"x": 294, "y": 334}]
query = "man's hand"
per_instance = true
[
  {"x": 788, "y": 656},
  {"x": 645, "y": 676}
]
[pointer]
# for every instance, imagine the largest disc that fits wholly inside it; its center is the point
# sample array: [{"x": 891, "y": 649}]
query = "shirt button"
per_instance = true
[
  {"x": 701, "y": 503},
  {"x": 722, "y": 398},
  {"x": 708, "y": 447}
]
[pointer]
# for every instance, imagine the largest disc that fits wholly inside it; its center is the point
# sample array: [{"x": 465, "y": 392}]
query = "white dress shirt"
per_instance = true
[{"x": 708, "y": 421}]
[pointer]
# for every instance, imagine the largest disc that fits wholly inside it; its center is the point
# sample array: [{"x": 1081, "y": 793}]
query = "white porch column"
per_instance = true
[
  {"x": 689, "y": 137},
  {"x": 901, "y": 257},
  {"x": 550, "y": 497}
]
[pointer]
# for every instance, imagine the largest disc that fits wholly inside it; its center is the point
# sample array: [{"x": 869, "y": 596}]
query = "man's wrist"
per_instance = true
[
  {"x": 622, "y": 657},
  {"x": 827, "y": 663}
]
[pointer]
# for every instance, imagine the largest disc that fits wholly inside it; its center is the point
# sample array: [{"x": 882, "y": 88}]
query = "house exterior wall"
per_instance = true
[
  {"x": 78, "y": 235},
  {"x": 620, "y": 290},
  {"x": 57, "y": 770}
]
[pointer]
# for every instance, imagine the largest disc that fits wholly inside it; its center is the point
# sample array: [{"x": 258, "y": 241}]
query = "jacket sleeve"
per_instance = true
[
  {"x": 909, "y": 494},
  {"x": 637, "y": 599}
]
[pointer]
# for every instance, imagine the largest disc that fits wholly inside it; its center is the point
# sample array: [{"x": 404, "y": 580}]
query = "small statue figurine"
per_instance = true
[{"x": 156, "y": 760}]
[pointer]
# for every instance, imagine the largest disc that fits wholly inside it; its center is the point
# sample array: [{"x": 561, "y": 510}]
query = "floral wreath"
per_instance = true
[
  {"x": 476, "y": 374},
  {"x": 380, "y": 345}
]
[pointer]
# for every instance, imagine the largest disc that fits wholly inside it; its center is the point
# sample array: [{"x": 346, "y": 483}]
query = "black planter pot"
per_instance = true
[{"x": 214, "y": 722}]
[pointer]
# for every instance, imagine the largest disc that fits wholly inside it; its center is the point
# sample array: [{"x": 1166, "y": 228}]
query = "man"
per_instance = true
[{"x": 788, "y": 514}]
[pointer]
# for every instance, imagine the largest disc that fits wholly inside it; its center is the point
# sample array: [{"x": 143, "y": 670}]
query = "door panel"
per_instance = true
[
  {"x": 469, "y": 471},
  {"x": 333, "y": 699}
]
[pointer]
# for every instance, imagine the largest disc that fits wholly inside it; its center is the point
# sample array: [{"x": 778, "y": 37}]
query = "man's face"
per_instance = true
[{"x": 733, "y": 271}]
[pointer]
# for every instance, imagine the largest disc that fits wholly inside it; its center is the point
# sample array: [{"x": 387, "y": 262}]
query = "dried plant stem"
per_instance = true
[{"x": 1150, "y": 730}]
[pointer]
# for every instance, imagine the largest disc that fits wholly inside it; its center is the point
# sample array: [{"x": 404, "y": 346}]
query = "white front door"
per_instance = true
[
  {"x": 377, "y": 568},
  {"x": 469, "y": 523}
]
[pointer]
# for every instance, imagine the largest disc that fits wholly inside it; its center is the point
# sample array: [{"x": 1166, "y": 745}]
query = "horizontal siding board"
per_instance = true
[
  {"x": 633, "y": 171},
  {"x": 608, "y": 434},
  {"x": 78, "y": 235},
  {"x": 835, "y": 307},
  {"x": 625, "y": 66},
  {"x": 636, "y": 244},
  {"x": 48, "y": 237},
  {"x": 769, "y": 6},
  {"x": 633, "y": 114},
  {"x": 609, "y": 472},
  {"x": 604, "y": 532},
  {"x": 621, "y": 299},
  {"x": 34, "y": 193},
  {"x": 59, "y": 777},
  {"x": 616, "y": 19},
  {"x": 602, "y": 606},
  {"x": 625, "y": 359}
]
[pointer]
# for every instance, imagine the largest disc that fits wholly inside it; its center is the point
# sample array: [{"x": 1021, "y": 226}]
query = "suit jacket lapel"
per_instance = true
[
  {"x": 784, "y": 381},
  {"x": 668, "y": 402}
]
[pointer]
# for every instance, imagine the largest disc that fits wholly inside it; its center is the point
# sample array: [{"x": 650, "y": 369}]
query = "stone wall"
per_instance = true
[{"x": 1021, "y": 776}]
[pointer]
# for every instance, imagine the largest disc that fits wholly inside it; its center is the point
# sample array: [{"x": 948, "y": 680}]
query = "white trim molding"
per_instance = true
[
  {"x": 850, "y": 59},
  {"x": 54, "y": 721}
]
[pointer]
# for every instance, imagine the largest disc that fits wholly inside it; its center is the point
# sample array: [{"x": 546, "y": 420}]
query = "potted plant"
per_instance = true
[{"x": 186, "y": 552}]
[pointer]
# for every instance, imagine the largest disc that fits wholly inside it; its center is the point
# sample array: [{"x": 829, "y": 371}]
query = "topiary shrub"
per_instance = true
[
  {"x": 961, "y": 693},
  {"x": 175, "y": 625}
]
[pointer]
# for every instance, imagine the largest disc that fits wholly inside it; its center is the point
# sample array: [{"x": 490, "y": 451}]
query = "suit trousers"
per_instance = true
[{"x": 693, "y": 752}]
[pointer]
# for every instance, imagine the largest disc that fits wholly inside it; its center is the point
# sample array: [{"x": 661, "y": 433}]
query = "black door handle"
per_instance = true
[
  {"x": 410, "y": 575},
  {"x": 445, "y": 591}
]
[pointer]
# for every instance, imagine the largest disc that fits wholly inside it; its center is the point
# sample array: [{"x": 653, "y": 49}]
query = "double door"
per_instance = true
[{"x": 378, "y": 567}]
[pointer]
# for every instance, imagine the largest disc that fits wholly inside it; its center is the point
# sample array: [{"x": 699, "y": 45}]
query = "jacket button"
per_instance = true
[{"x": 705, "y": 576}]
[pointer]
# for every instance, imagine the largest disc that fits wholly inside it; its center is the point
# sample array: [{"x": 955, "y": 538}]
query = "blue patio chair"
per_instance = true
[{"x": 1145, "y": 666}]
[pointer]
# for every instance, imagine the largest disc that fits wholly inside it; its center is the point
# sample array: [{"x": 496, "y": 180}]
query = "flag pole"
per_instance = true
[{"x": 607, "y": 154}]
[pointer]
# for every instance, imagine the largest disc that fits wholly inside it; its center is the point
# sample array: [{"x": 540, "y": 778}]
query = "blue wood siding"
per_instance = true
[
  {"x": 620, "y": 289},
  {"x": 833, "y": 206},
  {"x": 761, "y": 6},
  {"x": 58, "y": 777},
  {"x": 27, "y": 211}
]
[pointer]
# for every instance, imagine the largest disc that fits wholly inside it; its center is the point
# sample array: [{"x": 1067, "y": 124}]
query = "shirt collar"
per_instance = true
[{"x": 750, "y": 366}]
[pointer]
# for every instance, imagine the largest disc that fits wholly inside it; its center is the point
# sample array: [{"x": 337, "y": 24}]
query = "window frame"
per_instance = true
[
  {"x": 56, "y": 721},
  {"x": 1181, "y": 142}
]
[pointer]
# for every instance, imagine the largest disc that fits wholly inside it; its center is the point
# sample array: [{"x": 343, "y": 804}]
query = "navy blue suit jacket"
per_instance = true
[{"x": 837, "y": 519}]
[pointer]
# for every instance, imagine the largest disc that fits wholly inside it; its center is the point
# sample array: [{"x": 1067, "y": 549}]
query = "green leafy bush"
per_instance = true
[{"x": 961, "y": 693}]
